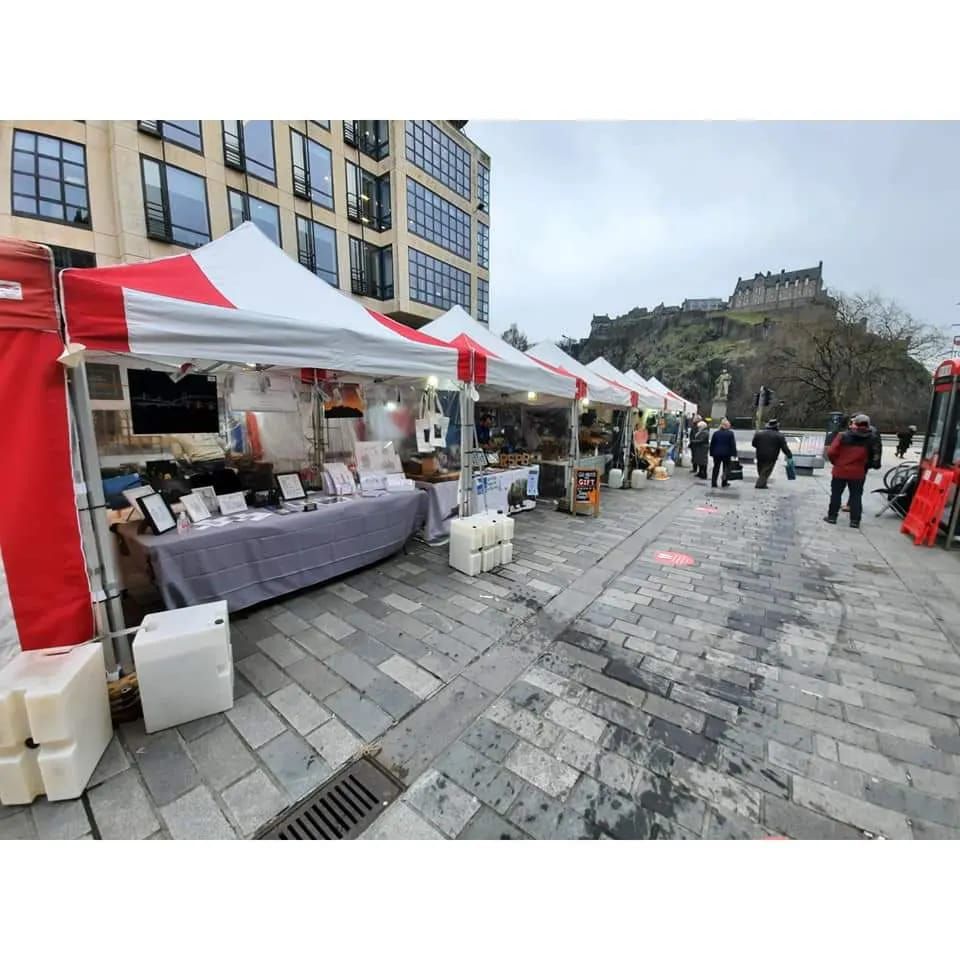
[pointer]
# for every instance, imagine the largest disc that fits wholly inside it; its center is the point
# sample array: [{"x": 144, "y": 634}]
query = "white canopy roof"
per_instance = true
[
  {"x": 646, "y": 396},
  {"x": 691, "y": 407},
  {"x": 507, "y": 368},
  {"x": 599, "y": 390}
]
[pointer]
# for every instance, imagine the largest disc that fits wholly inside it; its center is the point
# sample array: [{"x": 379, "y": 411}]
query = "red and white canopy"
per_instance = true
[
  {"x": 599, "y": 390},
  {"x": 241, "y": 299},
  {"x": 647, "y": 398},
  {"x": 674, "y": 401},
  {"x": 500, "y": 365}
]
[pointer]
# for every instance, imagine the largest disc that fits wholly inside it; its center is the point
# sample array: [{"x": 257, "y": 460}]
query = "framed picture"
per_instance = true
[
  {"x": 291, "y": 486},
  {"x": 133, "y": 494},
  {"x": 209, "y": 496},
  {"x": 157, "y": 512},
  {"x": 232, "y": 503},
  {"x": 195, "y": 506}
]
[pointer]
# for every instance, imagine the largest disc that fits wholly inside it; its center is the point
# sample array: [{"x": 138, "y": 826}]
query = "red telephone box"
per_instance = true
[{"x": 941, "y": 446}]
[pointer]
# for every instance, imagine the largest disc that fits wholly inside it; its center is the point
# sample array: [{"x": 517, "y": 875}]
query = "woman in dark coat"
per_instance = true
[
  {"x": 723, "y": 447},
  {"x": 699, "y": 448}
]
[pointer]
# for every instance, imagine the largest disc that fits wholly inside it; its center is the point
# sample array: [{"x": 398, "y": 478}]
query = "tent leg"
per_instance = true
[
  {"x": 117, "y": 651},
  {"x": 574, "y": 454},
  {"x": 467, "y": 433}
]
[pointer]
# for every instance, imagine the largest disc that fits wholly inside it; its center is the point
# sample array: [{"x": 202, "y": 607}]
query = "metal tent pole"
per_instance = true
[
  {"x": 467, "y": 434},
  {"x": 574, "y": 453},
  {"x": 119, "y": 650},
  {"x": 627, "y": 436}
]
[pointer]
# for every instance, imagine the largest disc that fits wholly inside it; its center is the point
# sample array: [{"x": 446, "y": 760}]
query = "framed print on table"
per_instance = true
[
  {"x": 195, "y": 506},
  {"x": 291, "y": 486},
  {"x": 157, "y": 512},
  {"x": 209, "y": 496},
  {"x": 232, "y": 503},
  {"x": 133, "y": 494}
]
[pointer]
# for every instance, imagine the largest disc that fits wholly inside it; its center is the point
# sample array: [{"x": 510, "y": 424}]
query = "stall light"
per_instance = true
[
  {"x": 363, "y": 196},
  {"x": 432, "y": 381},
  {"x": 531, "y": 394},
  {"x": 585, "y": 402},
  {"x": 390, "y": 405}
]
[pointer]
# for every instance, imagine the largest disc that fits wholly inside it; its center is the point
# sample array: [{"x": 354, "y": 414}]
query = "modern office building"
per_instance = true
[{"x": 394, "y": 212}]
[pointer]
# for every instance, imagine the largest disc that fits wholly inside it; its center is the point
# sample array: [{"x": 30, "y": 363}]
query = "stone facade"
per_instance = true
[
  {"x": 116, "y": 231},
  {"x": 788, "y": 288}
]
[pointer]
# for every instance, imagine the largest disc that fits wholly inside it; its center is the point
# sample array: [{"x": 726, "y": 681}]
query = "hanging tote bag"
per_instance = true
[
  {"x": 735, "y": 470},
  {"x": 791, "y": 469}
]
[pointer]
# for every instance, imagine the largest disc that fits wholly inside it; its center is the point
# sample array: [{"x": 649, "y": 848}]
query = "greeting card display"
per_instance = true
[
  {"x": 195, "y": 506},
  {"x": 232, "y": 503}
]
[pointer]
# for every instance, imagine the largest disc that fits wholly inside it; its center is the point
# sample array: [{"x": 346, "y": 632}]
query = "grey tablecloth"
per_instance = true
[{"x": 247, "y": 563}]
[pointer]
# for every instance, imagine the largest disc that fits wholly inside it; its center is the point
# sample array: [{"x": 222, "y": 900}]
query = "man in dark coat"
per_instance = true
[
  {"x": 699, "y": 446},
  {"x": 852, "y": 456},
  {"x": 769, "y": 444},
  {"x": 723, "y": 447}
]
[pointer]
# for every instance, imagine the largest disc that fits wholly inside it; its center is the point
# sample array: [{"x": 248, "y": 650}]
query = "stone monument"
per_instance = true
[{"x": 721, "y": 391}]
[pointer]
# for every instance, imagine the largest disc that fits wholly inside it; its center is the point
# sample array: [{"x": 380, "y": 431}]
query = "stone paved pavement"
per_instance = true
[{"x": 797, "y": 679}]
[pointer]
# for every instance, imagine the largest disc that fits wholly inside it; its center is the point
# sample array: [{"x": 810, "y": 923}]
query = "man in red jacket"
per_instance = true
[{"x": 850, "y": 454}]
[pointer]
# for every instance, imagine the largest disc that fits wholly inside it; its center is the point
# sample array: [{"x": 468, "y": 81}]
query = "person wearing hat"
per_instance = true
[
  {"x": 852, "y": 456},
  {"x": 769, "y": 444},
  {"x": 904, "y": 439}
]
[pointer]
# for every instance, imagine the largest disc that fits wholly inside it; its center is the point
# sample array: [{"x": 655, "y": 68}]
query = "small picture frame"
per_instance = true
[
  {"x": 156, "y": 511},
  {"x": 291, "y": 486},
  {"x": 232, "y": 503},
  {"x": 133, "y": 494},
  {"x": 195, "y": 506},
  {"x": 209, "y": 496}
]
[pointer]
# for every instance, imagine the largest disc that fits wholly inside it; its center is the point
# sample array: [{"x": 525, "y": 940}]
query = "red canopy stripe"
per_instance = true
[
  {"x": 463, "y": 360},
  {"x": 581, "y": 384},
  {"x": 93, "y": 299}
]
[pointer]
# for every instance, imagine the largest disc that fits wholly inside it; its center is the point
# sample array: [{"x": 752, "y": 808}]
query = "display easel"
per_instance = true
[{"x": 586, "y": 485}]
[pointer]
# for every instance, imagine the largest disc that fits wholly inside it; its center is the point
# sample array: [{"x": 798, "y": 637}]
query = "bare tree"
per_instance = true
[
  {"x": 862, "y": 357},
  {"x": 515, "y": 338}
]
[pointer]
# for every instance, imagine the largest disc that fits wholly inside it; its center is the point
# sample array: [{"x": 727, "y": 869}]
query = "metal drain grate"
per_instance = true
[{"x": 341, "y": 809}]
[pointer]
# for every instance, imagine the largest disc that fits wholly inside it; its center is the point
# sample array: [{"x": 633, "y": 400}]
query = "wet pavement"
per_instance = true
[{"x": 693, "y": 663}]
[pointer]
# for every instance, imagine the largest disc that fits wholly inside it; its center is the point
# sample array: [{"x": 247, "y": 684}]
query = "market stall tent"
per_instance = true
[
  {"x": 240, "y": 299},
  {"x": 500, "y": 365},
  {"x": 599, "y": 390},
  {"x": 671, "y": 395}
]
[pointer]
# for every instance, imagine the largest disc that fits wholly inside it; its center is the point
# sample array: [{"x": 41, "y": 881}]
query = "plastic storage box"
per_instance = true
[
  {"x": 615, "y": 480},
  {"x": 54, "y": 722},
  {"x": 184, "y": 665}
]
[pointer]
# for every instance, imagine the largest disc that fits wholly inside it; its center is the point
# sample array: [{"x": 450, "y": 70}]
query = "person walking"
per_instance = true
[
  {"x": 769, "y": 444},
  {"x": 723, "y": 448},
  {"x": 904, "y": 439},
  {"x": 699, "y": 448},
  {"x": 851, "y": 455},
  {"x": 874, "y": 450}
]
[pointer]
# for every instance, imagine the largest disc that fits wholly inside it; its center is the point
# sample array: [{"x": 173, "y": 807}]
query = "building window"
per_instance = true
[
  {"x": 371, "y": 137},
  {"x": 483, "y": 186},
  {"x": 371, "y": 270},
  {"x": 483, "y": 301},
  {"x": 64, "y": 257},
  {"x": 437, "y": 283},
  {"x": 437, "y": 220},
  {"x": 265, "y": 215},
  {"x": 186, "y": 133},
  {"x": 429, "y": 148},
  {"x": 175, "y": 203},
  {"x": 368, "y": 198},
  {"x": 483, "y": 245},
  {"x": 317, "y": 249},
  {"x": 312, "y": 170},
  {"x": 248, "y": 146},
  {"x": 322, "y": 123},
  {"x": 49, "y": 179}
]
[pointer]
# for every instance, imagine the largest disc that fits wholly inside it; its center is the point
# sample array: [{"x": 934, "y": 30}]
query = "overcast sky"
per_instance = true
[{"x": 601, "y": 217}]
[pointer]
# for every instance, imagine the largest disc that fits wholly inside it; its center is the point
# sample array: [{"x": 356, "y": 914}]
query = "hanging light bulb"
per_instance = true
[
  {"x": 585, "y": 402},
  {"x": 432, "y": 381},
  {"x": 531, "y": 394}
]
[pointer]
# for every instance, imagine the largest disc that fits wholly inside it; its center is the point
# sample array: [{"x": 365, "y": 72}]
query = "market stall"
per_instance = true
[
  {"x": 526, "y": 416},
  {"x": 602, "y": 393},
  {"x": 240, "y": 307}
]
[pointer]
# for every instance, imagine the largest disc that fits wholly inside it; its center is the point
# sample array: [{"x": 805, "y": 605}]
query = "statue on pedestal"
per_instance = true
[{"x": 722, "y": 386}]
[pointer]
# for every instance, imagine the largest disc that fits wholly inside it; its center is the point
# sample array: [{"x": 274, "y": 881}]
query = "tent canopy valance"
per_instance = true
[
  {"x": 241, "y": 299},
  {"x": 599, "y": 390},
  {"x": 500, "y": 365}
]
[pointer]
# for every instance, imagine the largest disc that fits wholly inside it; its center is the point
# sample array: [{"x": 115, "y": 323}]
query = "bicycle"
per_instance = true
[{"x": 899, "y": 485}]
